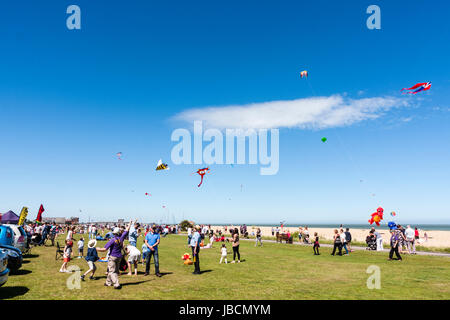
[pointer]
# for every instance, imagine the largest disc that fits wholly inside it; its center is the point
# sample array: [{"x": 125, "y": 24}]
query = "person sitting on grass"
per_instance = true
[
  {"x": 66, "y": 255},
  {"x": 316, "y": 244},
  {"x": 80, "y": 248},
  {"x": 91, "y": 258},
  {"x": 133, "y": 258}
]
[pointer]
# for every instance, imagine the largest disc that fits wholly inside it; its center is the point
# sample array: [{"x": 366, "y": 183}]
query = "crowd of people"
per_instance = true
[
  {"x": 402, "y": 240},
  {"x": 120, "y": 257}
]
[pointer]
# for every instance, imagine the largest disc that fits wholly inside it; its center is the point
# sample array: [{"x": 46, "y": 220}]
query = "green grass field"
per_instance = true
[{"x": 275, "y": 271}]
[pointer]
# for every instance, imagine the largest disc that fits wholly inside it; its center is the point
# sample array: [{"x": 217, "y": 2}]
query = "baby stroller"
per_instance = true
[
  {"x": 306, "y": 239},
  {"x": 371, "y": 243},
  {"x": 36, "y": 239}
]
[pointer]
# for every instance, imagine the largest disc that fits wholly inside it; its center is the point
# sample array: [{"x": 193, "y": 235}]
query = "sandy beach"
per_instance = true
[{"x": 436, "y": 238}]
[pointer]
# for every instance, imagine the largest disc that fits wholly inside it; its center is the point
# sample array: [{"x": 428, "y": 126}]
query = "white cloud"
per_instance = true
[{"x": 307, "y": 113}]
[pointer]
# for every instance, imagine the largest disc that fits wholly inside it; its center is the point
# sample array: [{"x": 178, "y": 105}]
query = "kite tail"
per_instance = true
[
  {"x": 415, "y": 86},
  {"x": 201, "y": 181}
]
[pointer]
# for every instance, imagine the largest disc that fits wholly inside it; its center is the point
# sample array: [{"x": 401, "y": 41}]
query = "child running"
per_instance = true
[
  {"x": 91, "y": 258},
  {"x": 223, "y": 250},
  {"x": 316, "y": 244},
  {"x": 66, "y": 255}
]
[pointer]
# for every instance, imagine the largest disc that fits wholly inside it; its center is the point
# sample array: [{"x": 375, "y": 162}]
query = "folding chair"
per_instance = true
[{"x": 59, "y": 251}]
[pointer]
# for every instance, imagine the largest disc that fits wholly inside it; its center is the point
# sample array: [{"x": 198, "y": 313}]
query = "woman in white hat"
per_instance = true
[{"x": 91, "y": 258}]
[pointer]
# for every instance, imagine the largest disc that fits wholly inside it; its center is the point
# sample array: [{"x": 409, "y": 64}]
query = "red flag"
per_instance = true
[{"x": 39, "y": 215}]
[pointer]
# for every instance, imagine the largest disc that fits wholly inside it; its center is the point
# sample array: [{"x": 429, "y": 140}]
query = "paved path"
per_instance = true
[{"x": 422, "y": 253}]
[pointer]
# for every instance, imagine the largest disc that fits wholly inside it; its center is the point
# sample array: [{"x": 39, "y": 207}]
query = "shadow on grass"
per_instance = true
[
  {"x": 134, "y": 283},
  {"x": 20, "y": 272},
  {"x": 205, "y": 271},
  {"x": 25, "y": 261},
  {"x": 12, "y": 292},
  {"x": 31, "y": 255}
]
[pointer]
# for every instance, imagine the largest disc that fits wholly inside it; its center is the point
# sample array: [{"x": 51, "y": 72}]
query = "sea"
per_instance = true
[{"x": 422, "y": 226}]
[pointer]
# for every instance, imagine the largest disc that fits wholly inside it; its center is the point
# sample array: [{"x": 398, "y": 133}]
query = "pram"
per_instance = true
[
  {"x": 306, "y": 239},
  {"x": 371, "y": 242},
  {"x": 36, "y": 239}
]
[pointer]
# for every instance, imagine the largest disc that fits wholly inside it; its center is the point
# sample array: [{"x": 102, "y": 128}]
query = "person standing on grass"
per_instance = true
[
  {"x": 133, "y": 258},
  {"x": 348, "y": 239},
  {"x": 416, "y": 233},
  {"x": 133, "y": 236},
  {"x": 316, "y": 244},
  {"x": 115, "y": 245},
  {"x": 80, "y": 245},
  {"x": 145, "y": 252},
  {"x": 273, "y": 231},
  {"x": 224, "y": 253},
  {"x": 337, "y": 243},
  {"x": 152, "y": 240},
  {"x": 236, "y": 246},
  {"x": 70, "y": 233},
  {"x": 306, "y": 235},
  {"x": 402, "y": 239},
  {"x": 395, "y": 241},
  {"x": 195, "y": 245},
  {"x": 91, "y": 258},
  {"x": 189, "y": 231},
  {"x": 258, "y": 237},
  {"x": 66, "y": 255},
  {"x": 409, "y": 233},
  {"x": 344, "y": 241}
]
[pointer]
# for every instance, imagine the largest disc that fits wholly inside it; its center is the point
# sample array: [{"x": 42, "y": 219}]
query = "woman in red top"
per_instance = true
[{"x": 416, "y": 233}]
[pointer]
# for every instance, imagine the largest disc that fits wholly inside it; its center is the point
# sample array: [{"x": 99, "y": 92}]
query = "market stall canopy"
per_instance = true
[{"x": 9, "y": 217}]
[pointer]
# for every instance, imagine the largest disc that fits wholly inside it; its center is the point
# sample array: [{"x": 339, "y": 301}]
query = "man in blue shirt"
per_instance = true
[
  {"x": 152, "y": 241},
  {"x": 195, "y": 244}
]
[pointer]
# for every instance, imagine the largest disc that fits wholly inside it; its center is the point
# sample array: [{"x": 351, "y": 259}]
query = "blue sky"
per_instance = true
[{"x": 71, "y": 99}]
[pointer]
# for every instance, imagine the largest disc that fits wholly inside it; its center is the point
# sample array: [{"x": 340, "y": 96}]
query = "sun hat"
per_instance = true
[
  {"x": 116, "y": 230},
  {"x": 92, "y": 243}
]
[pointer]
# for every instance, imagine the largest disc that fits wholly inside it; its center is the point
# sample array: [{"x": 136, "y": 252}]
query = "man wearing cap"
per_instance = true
[
  {"x": 152, "y": 241},
  {"x": 115, "y": 245}
]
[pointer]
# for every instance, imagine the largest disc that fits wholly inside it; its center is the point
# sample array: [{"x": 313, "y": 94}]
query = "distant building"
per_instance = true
[
  {"x": 57, "y": 220},
  {"x": 72, "y": 220},
  {"x": 120, "y": 221}
]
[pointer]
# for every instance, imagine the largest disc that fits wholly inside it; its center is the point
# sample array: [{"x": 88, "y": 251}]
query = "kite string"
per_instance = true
[{"x": 345, "y": 150}]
